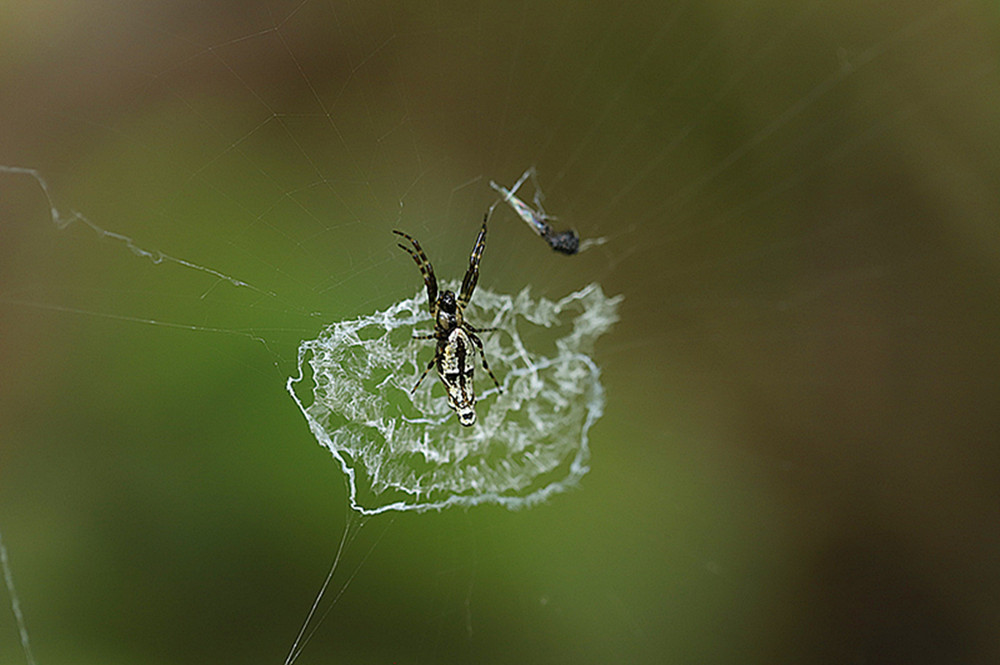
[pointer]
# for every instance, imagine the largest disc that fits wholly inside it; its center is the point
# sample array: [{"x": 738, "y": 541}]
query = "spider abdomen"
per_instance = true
[
  {"x": 454, "y": 354},
  {"x": 456, "y": 368}
]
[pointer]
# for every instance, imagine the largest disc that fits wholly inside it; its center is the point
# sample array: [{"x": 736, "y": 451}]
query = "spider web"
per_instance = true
[
  {"x": 798, "y": 206},
  {"x": 411, "y": 454}
]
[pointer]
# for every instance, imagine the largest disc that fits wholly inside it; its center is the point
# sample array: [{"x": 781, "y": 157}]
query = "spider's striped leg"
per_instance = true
[
  {"x": 425, "y": 268},
  {"x": 429, "y": 366},
  {"x": 482, "y": 354},
  {"x": 472, "y": 274},
  {"x": 465, "y": 324},
  {"x": 427, "y": 336}
]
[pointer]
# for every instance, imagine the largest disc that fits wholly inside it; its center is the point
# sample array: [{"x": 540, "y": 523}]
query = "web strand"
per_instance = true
[
  {"x": 63, "y": 220},
  {"x": 15, "y": 603}
]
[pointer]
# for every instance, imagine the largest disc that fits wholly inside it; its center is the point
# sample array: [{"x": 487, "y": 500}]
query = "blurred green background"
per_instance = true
[{"x": 799, "y": 459}]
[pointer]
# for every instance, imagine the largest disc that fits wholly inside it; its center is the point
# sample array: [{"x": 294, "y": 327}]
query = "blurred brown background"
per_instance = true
[{"x": 799, "y": 457}]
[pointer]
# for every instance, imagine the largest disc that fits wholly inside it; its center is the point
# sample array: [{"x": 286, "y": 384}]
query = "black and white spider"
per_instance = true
[{"x": 454, "y": 335}]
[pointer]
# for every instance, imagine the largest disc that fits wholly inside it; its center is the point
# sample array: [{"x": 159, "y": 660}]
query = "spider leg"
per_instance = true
[
  {"x": 426, "y": 336},
  {"x": 482, "y": 354},
  {"x": 472, "y": 274},
  {"x": 469, "y": 328},
  {"x": 425, "y": 268},
  {"x": 429, "y": 366}
]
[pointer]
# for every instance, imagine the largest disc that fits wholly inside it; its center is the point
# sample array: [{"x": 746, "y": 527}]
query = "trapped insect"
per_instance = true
[
  {"x": 455, "y": 337},
  {"x": 567, "y": 242}
]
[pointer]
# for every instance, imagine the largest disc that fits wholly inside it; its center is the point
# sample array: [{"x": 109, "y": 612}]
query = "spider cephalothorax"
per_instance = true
[{"x": 454, "y": 355}]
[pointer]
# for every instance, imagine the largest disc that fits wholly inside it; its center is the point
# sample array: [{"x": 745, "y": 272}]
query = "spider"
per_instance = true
[{"x": 453, "y": 333}]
